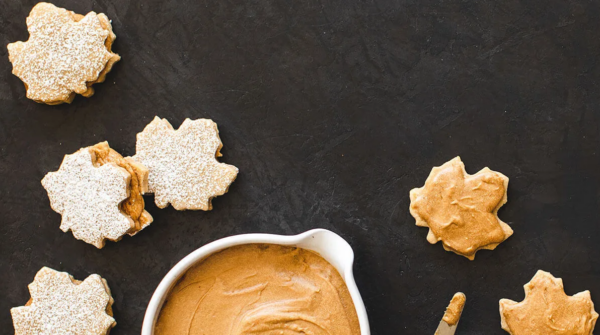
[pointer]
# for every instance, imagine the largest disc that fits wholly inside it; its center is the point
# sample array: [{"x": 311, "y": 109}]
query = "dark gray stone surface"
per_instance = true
[{"x": 333, "y": 111}]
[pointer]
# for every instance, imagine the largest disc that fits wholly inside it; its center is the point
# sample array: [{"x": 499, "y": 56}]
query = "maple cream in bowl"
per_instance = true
[{"x": 261, "y": 284}]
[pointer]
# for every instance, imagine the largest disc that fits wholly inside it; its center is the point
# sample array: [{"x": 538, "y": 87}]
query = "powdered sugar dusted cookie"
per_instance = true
[
  {"x": 98, "y": 194},
  {"x": 183, "y": 167},
  {"x": 548, "y": 310},
  {"x": 60, "y": 304},
  {"x": 134, "y": 205},
  {"x": 66, "y": 53},
  {"x": 461, "y": 210}
]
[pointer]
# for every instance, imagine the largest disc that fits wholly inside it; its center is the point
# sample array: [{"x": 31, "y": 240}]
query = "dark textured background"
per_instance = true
[{"x": 333, "y": 111}]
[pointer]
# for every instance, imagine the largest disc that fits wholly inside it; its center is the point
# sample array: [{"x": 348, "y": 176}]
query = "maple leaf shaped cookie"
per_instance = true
[
  {"x": 461, "y": 209},
  {"x": 66, "y": 53},
  {"x": 88, "y": 198},
  {"x": 61, "y": 305},
  {"x": 548, "y": 310},
  {"x": 183, "y": 167}
]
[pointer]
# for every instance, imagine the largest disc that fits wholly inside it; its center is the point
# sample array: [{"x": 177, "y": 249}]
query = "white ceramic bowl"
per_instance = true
[{"x": 329, "y": 245}]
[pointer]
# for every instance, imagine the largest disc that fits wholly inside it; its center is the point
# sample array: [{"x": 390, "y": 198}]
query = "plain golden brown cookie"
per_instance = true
[
  {"x": 548, "y": 310},
  {"x": 60, "y": 304},
  {"x": 65, "y": 55},
  {"x": 460, "y": 210}
]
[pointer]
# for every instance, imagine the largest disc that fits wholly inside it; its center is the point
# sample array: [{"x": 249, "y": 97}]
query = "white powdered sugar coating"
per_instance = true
[
  {"x": 183, "y": 167},
  {"x": 59, "y": 306},
  {"x": 61, "y": 55},
  {"x": 88, "y": 198}
]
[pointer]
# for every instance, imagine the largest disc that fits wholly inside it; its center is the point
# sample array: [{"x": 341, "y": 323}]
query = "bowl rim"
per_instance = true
[{"x": 171, "y": 278}]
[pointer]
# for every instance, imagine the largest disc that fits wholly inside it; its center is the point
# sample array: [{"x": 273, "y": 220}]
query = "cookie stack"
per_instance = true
[
  {"x": 99, "y": 194},
  {"x": 65, "y": 55},
  {"x": 60, "y": 304}
]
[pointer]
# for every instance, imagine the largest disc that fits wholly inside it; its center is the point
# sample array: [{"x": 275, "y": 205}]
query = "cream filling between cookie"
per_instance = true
[{"x": 134, "y": 205}]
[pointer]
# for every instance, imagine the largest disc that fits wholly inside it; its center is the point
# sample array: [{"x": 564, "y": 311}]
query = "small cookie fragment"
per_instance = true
[
  {"x": 60, "y": 304},
  {"x": 65, "y": 55},
  {"x": 461, "y": 210},
  {"x": 98, "y": 194},
  {"x": 183, "y": 167},
  {"x": 548, "y": 310}
]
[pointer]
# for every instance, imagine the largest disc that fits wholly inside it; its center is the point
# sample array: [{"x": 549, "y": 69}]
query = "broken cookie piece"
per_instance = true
[
  {"x": 99, "y": 194},
  {"x": 548, "y": 310},
  {"x": 461, "y": 210}
]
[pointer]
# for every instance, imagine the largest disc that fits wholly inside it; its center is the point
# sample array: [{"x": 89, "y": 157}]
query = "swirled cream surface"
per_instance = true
[{"x": 259, "y": 289}]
